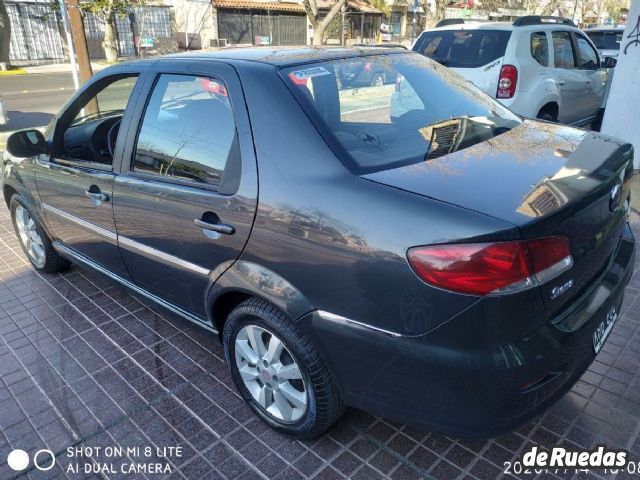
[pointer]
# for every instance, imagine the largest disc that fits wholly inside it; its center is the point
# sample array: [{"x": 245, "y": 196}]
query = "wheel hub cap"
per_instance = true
[
  {"x": 271, "y": 374},
  {"x": 29, "y": 236}
]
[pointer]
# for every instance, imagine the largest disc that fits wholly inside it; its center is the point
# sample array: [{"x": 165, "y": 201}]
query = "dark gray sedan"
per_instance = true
[{"x": 411, "y": 247}]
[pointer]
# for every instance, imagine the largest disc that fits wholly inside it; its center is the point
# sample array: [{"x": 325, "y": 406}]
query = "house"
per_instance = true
[{"x": 204, "y": 24}]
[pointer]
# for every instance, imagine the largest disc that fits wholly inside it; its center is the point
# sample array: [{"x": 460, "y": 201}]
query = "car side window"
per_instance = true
[
  {"x": 89, "y": 134},
  {"x": 588, "y": 58},
  {"x": 540, "y": 48},
  {"x": 188, "y": 132},
  {"x": 563, "y": 50}
]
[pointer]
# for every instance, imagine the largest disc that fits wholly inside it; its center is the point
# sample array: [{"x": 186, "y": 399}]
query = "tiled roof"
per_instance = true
[
  {"x": 259, "y": 4},
  {"x": 357, "y": 5}
]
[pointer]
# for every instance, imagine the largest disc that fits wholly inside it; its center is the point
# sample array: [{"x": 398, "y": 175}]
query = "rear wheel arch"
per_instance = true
[
  {"x": 224, "y": 304},
  {"x": 245, "y": 279},
  {"x": 549, "y": 109},
  {"x": 8, "y": 192}
]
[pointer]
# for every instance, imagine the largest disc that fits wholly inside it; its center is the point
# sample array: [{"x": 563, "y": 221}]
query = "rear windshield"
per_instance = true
[
  {"x": 463, "y": 48},
  {"x": 606, "y": 40},
  {"x": 419, "y": 111}
]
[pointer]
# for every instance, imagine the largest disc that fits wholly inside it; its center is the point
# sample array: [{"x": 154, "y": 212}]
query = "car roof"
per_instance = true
[
  {"x": 287, "y": 56},
  {"x": 474, "y": 26},
  {"x": 507, "y": 26}
]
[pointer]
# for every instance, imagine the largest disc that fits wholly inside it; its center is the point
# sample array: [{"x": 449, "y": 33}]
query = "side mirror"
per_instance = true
[
  {"x": 26, "y": 143},
  {"x": 609, "y": 62}
]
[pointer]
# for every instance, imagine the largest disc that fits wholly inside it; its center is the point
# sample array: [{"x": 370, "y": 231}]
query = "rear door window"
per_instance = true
[
  {"x": 563, "y": 56},
  {"x": 463, "y": 48},
  {"x": 188, "y": 130},
  {"x": 540, "y": 48}
]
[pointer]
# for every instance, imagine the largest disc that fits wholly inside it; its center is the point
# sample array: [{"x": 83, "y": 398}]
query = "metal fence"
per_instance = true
[
  {"x": 35, "y": 37},
  {"x": 151, "y": 21},
  {"x": 261, "y": 27}
]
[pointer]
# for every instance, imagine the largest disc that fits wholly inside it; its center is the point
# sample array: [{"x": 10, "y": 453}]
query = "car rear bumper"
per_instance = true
[{"x": 429, "y": 383}]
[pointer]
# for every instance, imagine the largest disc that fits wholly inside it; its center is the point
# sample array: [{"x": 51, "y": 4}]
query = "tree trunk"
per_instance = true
[
  {"x": 321, "y": 27},
  {"x": 110, "y": 44},
  {"x": 5, "y": 33},
  {"x": 440, "y": 6}
]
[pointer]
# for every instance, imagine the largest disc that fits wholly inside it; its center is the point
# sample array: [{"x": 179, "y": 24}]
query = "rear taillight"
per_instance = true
[
  {"x": 507, "y": 81},
  {"x": 492, "y": 268},
  {"x": 398, "y": 81},
  {"x": 367, "y": 67}
]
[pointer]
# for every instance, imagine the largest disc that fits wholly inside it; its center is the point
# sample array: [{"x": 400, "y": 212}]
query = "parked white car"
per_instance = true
[
  {"x": 606, "y": 39},
  {"x": 539, "y": 67}
]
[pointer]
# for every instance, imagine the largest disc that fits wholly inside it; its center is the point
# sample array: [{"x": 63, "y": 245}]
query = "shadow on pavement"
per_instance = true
[{"x": 18, "y": 120}]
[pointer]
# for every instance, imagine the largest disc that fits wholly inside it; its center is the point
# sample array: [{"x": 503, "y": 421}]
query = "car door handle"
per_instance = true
[
  {"x": 561, "y": 83},
  {"x": 96, "y": 195},
  {"x": 215, "y": 227},
  {"x": 588, "y": 82}
]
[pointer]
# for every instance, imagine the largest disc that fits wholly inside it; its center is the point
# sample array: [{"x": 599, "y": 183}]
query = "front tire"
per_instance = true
[
  {"x": 278, "y": 371},
  {"x": 34, "y": 241},
  {"x": 378, "y": 80}
]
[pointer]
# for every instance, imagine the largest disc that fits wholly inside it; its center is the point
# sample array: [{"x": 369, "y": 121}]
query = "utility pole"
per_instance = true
[
  {"x": 72, "y": 53},
  {"x": 79, "y": 40}
]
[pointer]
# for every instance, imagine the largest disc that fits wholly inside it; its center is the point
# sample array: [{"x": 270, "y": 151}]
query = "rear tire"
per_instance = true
[
  {"x": 34, "y": 241},
  {"x": 291, "y": 389},
  {"x": 548, "y": 116}
]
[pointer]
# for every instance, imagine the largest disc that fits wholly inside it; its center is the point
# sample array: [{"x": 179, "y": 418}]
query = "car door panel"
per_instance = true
[
  {"x": 595, "y": 77},
  {"x": 166, "y": 252},
  {"x": 77, "y": 194},
  {"x": 570, "y": 80}
]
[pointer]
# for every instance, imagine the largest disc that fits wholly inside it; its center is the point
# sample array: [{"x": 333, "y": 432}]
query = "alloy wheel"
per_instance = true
[
  {"x": 29, "y": 236},
  {"x": 271, "y": 374}
]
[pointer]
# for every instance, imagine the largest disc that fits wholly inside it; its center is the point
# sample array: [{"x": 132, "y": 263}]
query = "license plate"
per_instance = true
[{"x": 604, "y": 329}]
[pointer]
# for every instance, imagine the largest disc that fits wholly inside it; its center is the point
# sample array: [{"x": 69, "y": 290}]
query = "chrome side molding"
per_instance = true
[
  {"x": 151, "y": 252},
  {"x": 76, "y": 257},
  {"x": 332, "y": 317},
  {"x": 103, "y": 232},
  {"x": 129, "y": 243}
]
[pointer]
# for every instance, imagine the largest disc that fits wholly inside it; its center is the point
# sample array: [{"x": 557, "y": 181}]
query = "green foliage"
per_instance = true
[
  {"x": 333, "y": 29},
  {"x": 381, "y": 5},
  {"x": 107, "y": 8},
  {"x": 614, "y": 8}
]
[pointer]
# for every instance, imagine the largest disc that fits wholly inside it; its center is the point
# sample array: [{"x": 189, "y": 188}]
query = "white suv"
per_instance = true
[{"x": 539, "y": 67}]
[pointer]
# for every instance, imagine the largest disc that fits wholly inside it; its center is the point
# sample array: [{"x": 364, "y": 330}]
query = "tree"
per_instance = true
[
  {"x": 107, "y": 11},
  {"x": 319, "y": 26},
  {"x": 5, "y": 33}
]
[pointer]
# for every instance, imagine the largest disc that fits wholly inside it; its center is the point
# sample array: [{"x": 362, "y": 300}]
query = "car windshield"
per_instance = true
[
  {"x": 463, "y": 48},
  {"x": 420, "y": 111},
  {"x": 606, "y": 40}
]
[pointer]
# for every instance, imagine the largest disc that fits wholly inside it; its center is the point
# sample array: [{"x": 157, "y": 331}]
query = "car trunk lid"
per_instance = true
[{"x": 545, "y": 179}]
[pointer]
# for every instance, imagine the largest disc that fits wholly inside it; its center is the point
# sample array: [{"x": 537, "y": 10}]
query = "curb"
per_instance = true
[{"x": 12, "y": 73}]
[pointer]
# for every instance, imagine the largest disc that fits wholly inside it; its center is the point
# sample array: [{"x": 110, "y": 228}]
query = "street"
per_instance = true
[{"x": 32, "y": 100}]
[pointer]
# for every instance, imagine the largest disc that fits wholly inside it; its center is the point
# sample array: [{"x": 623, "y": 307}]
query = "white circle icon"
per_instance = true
[{"x": 18, "y": 460}]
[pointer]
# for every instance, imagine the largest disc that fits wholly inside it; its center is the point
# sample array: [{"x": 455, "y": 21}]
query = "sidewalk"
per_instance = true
[{"x": 60, "y": 68}]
